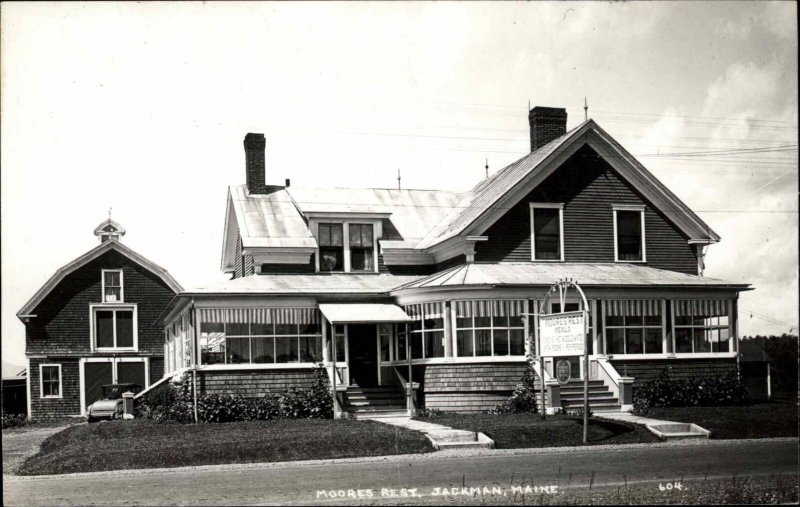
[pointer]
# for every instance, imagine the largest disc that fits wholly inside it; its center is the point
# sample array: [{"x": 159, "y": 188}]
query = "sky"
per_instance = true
[{"x": 142, "y": 108}]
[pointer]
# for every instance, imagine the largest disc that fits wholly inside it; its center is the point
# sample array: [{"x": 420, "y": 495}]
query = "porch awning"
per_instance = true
[{"x": 363, "y": 313}]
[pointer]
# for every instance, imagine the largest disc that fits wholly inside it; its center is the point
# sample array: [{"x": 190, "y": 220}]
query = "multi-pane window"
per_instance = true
[
  {"x": 114, "y": 328},
  {"x": 633, "y": 327},
  {"x": 702, "y": 326},
  {"x": 112, "y": 286},
  {"x": 254, "y": 336},
  {"x": 361, "y": 247},
  {"x": 490, "y": 328},
  {"x": 426, "y": 332},
  {"x": 547, "y": 232},
  {"x": 629, "y": 235},
  {"x": 331, "y": 247},
  {"x": 50, "y": 380},
  {"x": 402, "y": 333}
]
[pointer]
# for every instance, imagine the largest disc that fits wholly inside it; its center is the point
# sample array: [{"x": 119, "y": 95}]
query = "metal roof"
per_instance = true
[
  {"x": 485, "y": 193},
  {"x": 269, "y": 220},
  {"x": 529, "y": 273},
  {"x": 413, "y": 213},
  {"x": 307, "y": 284},
  {"x": 363, "y": 313}
]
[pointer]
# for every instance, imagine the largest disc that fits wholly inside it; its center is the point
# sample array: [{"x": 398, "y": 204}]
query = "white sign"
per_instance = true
[{"x": 562, "y": 334}]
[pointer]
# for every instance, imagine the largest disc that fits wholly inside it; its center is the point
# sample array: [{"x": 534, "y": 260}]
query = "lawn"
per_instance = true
[
  {"x": 512, "y": 431},
  {"x": 777, "y": 418},
  {"x": 118, "y": 445}
]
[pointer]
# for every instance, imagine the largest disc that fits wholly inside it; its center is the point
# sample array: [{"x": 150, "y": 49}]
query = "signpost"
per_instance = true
[{"x": 565, "y": 334}]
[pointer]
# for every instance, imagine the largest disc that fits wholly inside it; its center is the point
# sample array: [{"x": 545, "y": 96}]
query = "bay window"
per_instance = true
[
  {"x": 426, "y": 332},
  {"x": 490, "y": 328}
]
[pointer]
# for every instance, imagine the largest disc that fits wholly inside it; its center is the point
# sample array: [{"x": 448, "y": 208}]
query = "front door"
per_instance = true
[{"x": 363, "y": 354}]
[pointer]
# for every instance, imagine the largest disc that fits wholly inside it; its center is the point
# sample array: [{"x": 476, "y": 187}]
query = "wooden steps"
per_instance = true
[{"x": 375, "y": 402}]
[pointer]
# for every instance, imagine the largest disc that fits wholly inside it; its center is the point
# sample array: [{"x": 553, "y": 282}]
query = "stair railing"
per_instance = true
[{"x": 621, "y": 387}]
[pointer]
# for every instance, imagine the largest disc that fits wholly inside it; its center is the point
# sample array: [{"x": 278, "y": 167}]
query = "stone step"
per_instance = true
[
  {"x": 575, "y": 389},
  {"x": 380, "y": 396},
  {"x": 592, "y": 395},
  {"x": 612, "y": 402},
  {"x": 370, "y": 390},
  {"x": 606, "y": 408},
  {"x": 453, "y": 436},
  {"x": 375, "y": 409},
  {"x": 377, "y": 415}
]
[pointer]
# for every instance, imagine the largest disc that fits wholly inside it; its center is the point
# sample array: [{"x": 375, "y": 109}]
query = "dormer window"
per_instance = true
[
  {"x": 361, "y": 247},
  {"x": 547, "y": 231},
  {"x": 629, "y": 243},
  {"x": 346, "y": 246},
  {"x": 112, "y": 286},
  {"x": 331, "y": 247}
]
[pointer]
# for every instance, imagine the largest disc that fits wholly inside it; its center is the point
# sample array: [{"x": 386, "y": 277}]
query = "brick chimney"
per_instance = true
[
  {"x": 547, "y": 123},
  {"x": 254, "y": 145}
]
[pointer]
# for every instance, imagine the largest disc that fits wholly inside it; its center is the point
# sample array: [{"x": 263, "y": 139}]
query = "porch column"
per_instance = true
[
  {"x": 448, "y": 330},
  {"x": 326, "y": 352}
]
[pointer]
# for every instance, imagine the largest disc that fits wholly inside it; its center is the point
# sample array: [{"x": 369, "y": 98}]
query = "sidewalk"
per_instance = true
[
  {"x": 669, "y": 430},
  {"x": 442, "y": 437}
]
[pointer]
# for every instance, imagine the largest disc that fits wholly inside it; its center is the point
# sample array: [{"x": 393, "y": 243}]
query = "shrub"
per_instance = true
[
  {"x": 523, "y": 399},
  {"x": 426, "y": 413},
  {"x": 14, "y": 420},
  {"x": 176, "y": 404},
  {"x": 703, "y": 391}
]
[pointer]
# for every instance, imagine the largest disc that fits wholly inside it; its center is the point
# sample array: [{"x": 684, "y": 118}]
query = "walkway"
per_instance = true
[
  {"x": 21, "y": 443},
  {"x": 442, "y": 437},
  {"x": 669, "y": 430}
]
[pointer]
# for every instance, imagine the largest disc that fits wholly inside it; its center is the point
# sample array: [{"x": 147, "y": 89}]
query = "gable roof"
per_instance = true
[
  {"x": 89, "y": 256},
  {"x": 512, "y": 182}
]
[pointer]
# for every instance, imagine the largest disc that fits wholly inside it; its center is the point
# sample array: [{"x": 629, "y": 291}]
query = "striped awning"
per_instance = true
[
  {"x": 701, "y": 307},
  {"x": 363, "y": 313},
  {"x": 259, "y": 315},
  {"x": 425, "y": 311},
  {"x": 633, "y": 307},
  {"x": 486, "y": 308}
]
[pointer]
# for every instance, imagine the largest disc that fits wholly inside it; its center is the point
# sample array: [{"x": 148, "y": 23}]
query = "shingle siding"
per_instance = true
[
  {"x": 69, "y": 403},
  {"x": 588, "y": 186},
  {"x": 644, "y": 371},
  {"x": 62, "y": 322},
  {"x": 253, "y": 384}
]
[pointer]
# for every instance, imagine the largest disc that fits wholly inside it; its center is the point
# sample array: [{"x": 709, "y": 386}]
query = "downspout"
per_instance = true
[{"x": 194, "y": 362}]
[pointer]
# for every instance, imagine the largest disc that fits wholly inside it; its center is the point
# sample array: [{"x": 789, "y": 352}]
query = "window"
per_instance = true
[
  {"x": 490, "y": 328},
  {"x": 426, "y": 332},
  {"x": 633, "y": 327},
  {"x": 547, "y": 232},
  {"x": 361, "y": 247},
  {"x": 114, "y": 327},
  {"x": 331, "y": 247},
  {"x": 702, "y": 326},
  {"x": 261, "y": 336},
  {"x": 629, "y": 234},
  {"x": 112, "y": 286},
  {"x": 50, "y": 380}
]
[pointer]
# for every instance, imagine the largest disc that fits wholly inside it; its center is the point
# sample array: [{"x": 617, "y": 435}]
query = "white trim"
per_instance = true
[
  {"x": 548, "y": 205},
  {"x": 682, "y": 355},
  {"x": 641, "y": 211},
  {"x": 331, "y": 218},
  {"x": 28, "y": 389},
  {"x": 93, "y": 308},
  {"x": 89, "y": 256},
  {"x": 457, "y": 359},
  {"x": 103, "y": 285},
  {"x": 352, "y": 216},
  {"x": 114, "y": 373},
  {"x": 41, "y": 382},
  {"x": 261, "y": 366}
]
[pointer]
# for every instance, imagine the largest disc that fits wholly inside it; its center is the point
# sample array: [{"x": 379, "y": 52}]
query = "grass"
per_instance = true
[
  {"x": 512, "y": 431},
  {"x": 118, "y": 445},
  {"x": 777, "y": 418}
]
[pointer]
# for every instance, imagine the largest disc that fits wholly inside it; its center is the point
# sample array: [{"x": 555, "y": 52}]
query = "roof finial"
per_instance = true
[
  {"x": 585, "y": 110},
  {"x": 487, "y": 167},
  {"x": 109, "y": 213},
  {"x": 398, "y": 179}
]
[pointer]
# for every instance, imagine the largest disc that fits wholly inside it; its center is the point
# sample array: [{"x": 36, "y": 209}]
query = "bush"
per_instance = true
[
  {"x": 704, "y": 391},
  {"x": 173, "y": 404},
  {"x": 523, "y": 399},
  {"x": 14, "y": 420},
  {"x": 426, "y": 413}
]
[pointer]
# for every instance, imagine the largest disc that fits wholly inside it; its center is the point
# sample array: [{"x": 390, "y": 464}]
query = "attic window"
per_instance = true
[
  {"x": 112, "y": 286},
  {"x": 361, "y": 247},
  {"x": 547, "y": 231},
  {"x": 629, "y": 234}
]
